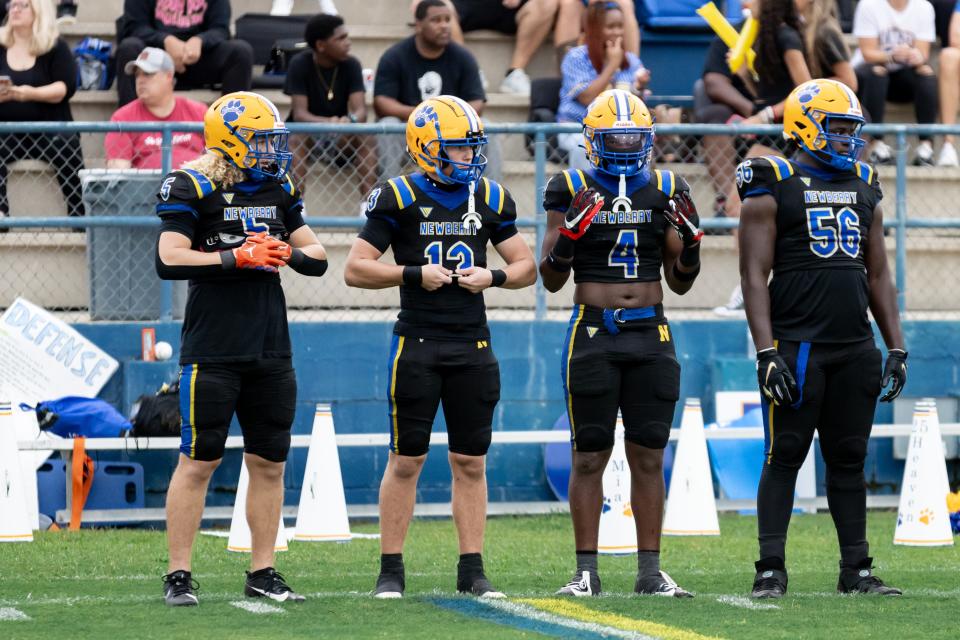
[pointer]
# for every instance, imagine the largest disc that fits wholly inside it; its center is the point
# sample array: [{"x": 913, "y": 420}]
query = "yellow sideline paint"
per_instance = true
[{"x": 570, "y": 609}]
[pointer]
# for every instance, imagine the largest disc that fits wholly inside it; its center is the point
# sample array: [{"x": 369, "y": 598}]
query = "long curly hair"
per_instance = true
[
  {"x": 773, "y": 13},
  {"x": 217, "y": 168}
]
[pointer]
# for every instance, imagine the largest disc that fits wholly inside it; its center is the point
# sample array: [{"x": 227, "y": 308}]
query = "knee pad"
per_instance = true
[
  {"x": 273, "y": 445},
  {"x": 789, "y": 449},
  {"x": 849, "y": 452},
  {"x": 592, "y": 437},
  {"x": 205, "y": 444},
  {"x": 476, "y": 443},
  {"x": 412, "y": 442},
  {"x": 652, "y": 435}
]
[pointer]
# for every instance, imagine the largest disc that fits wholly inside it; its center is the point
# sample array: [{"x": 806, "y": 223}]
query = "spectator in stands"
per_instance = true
[
  {"x": 326, "y": 85},
  {"x": 37, "y": 77},
  {"x": 569, "y": 30},
  {"x": 156, "y": 102},
  {"x": 195, "y": 34},
  {"x": 66, "y": 12},
  {"x": 893, "y": 63},
  {"x": 780, "y": 66},
  {"x": 950, "y": 89},
  {"x": 425, "y": 65},
  {"x": 588, "y": 70},
  {"x": 529, "y": 20},
  {"x": 826, "y": 52}
]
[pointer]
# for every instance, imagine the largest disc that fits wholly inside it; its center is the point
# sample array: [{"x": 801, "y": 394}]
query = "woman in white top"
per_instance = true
[{"x": 892, "y": 63}]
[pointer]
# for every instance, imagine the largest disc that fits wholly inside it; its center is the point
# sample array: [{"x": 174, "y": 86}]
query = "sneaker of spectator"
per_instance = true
[
  {"x": 881, "y": 153},
  {"x": 734, "y": 307},
  {"x": 517, "y": 81},
  {"x": 66, "y": 12},
  {"x": 924, "y": 154},
  {"x": 285, "y": 7},
  {"x": 948, "y": 156}
]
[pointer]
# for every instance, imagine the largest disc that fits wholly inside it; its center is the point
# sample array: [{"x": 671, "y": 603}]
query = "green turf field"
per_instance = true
[{"x": 106, "y": 584}]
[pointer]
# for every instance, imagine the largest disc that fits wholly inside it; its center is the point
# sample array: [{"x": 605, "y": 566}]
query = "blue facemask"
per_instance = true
[
  {"x": 622, "y": 151},
  {"x": 270, "y": 149},
  {"x": 842, "y": 161},
  {"x": 462, "y": 172}
]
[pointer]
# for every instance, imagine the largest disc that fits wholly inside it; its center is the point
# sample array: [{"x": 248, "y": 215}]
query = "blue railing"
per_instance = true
[{"x": 900, "y": 221}]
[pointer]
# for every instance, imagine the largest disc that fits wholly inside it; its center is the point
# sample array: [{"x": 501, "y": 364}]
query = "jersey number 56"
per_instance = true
[{"x": 825, "y": 239}]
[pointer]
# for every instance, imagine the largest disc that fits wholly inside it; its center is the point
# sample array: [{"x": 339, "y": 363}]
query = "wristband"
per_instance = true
[
  {"x": 768, "y": 115},
  {"x": 228, "y": 260},
  {"x": 685, "y": 276},
  {"x": 558, "y": 265},
  {"x": 499, "y": 277},
  {"x": 306, "y": 265},
  {"x": 690, "y": 256},
  {"x": 564, "y": 247},
  {"x": 413, "y": 276}
]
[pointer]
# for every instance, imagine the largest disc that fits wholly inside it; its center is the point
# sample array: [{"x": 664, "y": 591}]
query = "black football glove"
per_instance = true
[
  {"x": 895, "y": 369},
  {"x": 586, "y": 204},
  {"x": 776, "y": 381},
  {"x": 682, "y": 215}
]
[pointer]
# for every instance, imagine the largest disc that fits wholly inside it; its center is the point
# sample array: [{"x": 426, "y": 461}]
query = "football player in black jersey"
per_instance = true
[
  {"x": 438, "y": 222},
  {"x": 614, "y": 227},
  {"x": 815, "y": 222},
  {"x": 231, "y": 220}
]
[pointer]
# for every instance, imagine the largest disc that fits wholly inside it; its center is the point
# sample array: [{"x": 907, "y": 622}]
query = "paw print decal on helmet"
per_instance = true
[
  {"x": 427, "y": 114},
  {"x": 232, "y": 110}
]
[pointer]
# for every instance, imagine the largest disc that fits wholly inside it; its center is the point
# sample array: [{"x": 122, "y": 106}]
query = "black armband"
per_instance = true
[
  {"x": 189, "y": 272},
  {"x": 413, "y": 276},
  {"x": 564, "y": 247},
  {"x": 690, "y": 256},
  {"x": 685, "y": 276},
  {"x": 499, "y": 277},
  {"x": 306, "y": 265},
  {"x": 557, "y": 264}
]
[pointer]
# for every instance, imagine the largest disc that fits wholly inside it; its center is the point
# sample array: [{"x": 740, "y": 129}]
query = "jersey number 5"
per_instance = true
[
  {"x": 624, "y": 253},
  {"x": 824, "y": 240},
  {"x": 458, "y": 252}
]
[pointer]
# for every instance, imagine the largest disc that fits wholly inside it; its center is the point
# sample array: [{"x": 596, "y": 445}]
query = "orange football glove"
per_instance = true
[{"x": 262, "y": 252}]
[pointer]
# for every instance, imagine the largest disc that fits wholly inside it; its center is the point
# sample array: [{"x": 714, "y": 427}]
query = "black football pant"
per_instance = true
[{"x": 839, "y": 385}]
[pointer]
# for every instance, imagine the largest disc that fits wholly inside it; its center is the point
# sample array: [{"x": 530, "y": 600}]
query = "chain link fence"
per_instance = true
[{"x": 106, "y": 271}]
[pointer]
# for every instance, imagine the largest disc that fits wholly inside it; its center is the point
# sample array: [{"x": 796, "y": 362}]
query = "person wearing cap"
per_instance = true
[
  {"x": 197, "y": 37},
  {"x": 153, "y": 73}
]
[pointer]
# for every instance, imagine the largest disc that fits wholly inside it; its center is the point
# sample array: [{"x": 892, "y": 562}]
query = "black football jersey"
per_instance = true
[
  {"x": 240, "y": 314},
  {"x": 427, "y": 223},
  {"x": 819, "y": 290},
  {"x": 624, "y": 243}
]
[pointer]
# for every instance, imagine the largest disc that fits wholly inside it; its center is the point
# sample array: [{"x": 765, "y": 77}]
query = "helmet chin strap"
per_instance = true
[{"x": 622, "y": 190}]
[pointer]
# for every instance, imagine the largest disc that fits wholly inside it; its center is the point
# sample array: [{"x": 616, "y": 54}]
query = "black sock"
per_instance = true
[
  {"x": 587, "y": 561},
  {"x": 648, "y": 563},
  {"x": 391, "y": 563},
  {"x": 471, "y": 564}
]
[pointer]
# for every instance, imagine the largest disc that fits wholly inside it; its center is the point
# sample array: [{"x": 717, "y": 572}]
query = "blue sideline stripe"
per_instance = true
[{"x": 474, "y": 609}]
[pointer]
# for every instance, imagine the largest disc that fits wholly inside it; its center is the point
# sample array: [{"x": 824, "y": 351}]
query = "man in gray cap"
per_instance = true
[{"x": 153, "y": 74}]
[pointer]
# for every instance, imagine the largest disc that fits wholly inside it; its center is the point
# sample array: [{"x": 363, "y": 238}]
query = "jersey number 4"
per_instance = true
[
  {"x": 825, "y": 240},
  {"x": 624, "y": 253},
  {"x": 458, "y": 252}
]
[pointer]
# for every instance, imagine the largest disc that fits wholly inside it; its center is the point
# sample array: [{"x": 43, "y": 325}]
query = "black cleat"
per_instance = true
[
  {"x": 769, "y": 583},
  {"x": 179, "y": 589},
  {"x": 479, "y": 586},
  {"x": 583, "y": 583},
  {"x": 860, "y": 579},
  {"x": 660, "y": 585},
  {"x": 267, "y": 583},
  {"x": 389, "y": 586}
]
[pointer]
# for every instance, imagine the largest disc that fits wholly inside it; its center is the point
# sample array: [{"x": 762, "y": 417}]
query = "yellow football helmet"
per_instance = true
[
  {"x": 246, "y": 129},
  {"x": 441, "y": 122},
  {"x": 618, "y": 133},
  {"x": 807, "y": 116}
]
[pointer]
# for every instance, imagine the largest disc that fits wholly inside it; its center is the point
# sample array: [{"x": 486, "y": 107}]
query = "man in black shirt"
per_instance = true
[
  {"x": 231, "y": 220},
  {"x": 423, "y": 66},
  {"x": 326, "y": 85},
  {"x": 438, "y": 224},
  {"x": 196, "y": 35},
  {"x": 815, "y": 222}
]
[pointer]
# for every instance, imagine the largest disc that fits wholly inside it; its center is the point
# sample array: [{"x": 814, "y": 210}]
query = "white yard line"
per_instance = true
[
  {"x": 746, "y": 603},
  {"x": 9, "y": 614},
  {"x": 532, "y": 613},
  {"x": 259, "y": 608}
]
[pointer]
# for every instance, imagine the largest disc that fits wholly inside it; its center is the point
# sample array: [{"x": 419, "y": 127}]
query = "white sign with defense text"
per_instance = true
[{"x": 43, "y": 358}]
